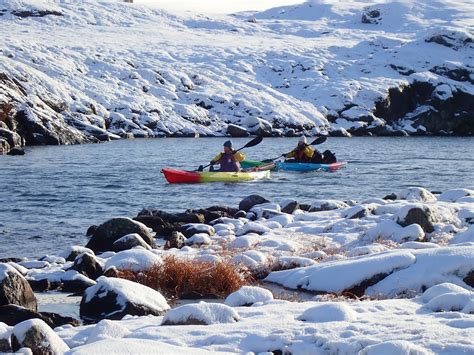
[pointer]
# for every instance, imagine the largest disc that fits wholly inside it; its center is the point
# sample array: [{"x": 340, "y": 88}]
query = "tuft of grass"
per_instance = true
[{"x": 190, "y": 279}]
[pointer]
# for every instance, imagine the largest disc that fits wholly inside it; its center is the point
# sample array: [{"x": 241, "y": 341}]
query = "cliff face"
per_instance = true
[{"x": 82, "y": 72}]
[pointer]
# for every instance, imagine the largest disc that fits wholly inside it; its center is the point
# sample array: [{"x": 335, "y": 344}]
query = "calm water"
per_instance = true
[{"x": 50, "y": 196}]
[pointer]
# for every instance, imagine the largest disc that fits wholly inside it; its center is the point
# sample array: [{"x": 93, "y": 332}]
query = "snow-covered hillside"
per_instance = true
[{"x": 76, "y": 71}]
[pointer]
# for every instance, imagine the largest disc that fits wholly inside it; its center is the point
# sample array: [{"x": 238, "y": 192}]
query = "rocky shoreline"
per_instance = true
[
  {"x": 375, "y": 85},
  {"x": 414, "y": 247}
]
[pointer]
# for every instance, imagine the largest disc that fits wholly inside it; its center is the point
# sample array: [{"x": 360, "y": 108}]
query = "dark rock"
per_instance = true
[
  {"x": 359, "y": 289},
  {"x": 469, "y": 279},
  {"x": 189, "y": 230},
  {"x": 305, "y": 207},
  {"x": 11, "y": 260},
  {"x": 177, "y": 240},
  {"x": 88, "y": 265},
  {"x": 40, "y": 338},
  {"x": 251, "y": 216},
  {"x": 40, "y": 285},
  {"x": 16, "y": 151},
  {"x": 290, "y": 207},
  {"x": 14, "y": 289},
  {"x": 159, "y": 226},
  {"x": 107, "y": 233},
  {"x": 5, "y": 345},
  {"x": 4, "y": 147},
  {"x": 57, "y": 320},
  {"x": 35, "y": 13},
  {"x": 103, "y": 302},
  {"x": 12, "y": 315},
  {"x": 391, "y": 197},
  {"x": 361, "y": 212},
  {"x": 74, "y": 251},
  {"x": 240, "y": 214},
  {"x": 128, "y": 242},
  {"x": 91, "y": 230},
  {"x": 237, "y": 131},
  {"x": 421, "y": 216},
  {"x": 247, "y": 203},
  {"x": 76, "y": 286}
]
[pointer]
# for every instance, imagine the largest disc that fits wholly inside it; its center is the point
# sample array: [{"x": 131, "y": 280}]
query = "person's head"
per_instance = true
[
  {"x": 228, "y": 146},
  {"x": 302, "y": 141}
]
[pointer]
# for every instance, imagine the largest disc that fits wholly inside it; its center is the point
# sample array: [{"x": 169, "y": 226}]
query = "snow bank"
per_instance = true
[
  {"x": 394, "y": 348},
  {"x": 333, "y": 312}
]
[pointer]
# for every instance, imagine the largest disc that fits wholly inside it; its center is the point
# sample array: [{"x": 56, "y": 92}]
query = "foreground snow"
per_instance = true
[{"x": 410, "y": 292}]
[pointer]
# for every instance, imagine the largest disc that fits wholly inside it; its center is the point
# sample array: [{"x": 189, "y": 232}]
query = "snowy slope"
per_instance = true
[{"x": 72, "y": 70}]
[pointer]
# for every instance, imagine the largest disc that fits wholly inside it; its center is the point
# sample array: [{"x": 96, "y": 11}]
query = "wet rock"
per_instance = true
[
  {"x": 189, "y": 230},
  {"x": 290, "y": 207},
  {"x": 391, "y": 197},
  {"x": 14, "y": 289},
  {"x": 419, "y": 214},
  {"x": 38, "y": 336},
  {"x": 13, "y": 138},
  {"x": 113, "y": 298},
  {"x": 129, "y": 241},
  {"x": 159, "y": 226},
  {"x": 5, "y": 340},
  {"x": 88, "y": 265},
  {"x": 237, "y": 131},
  {"x": 359, "y": 290},
  {"x": 177, "y": 240},
  {"x": 77, "y": 285},
  {"x": 115, "y": 228},
  {"x": 247, "y": 203}
]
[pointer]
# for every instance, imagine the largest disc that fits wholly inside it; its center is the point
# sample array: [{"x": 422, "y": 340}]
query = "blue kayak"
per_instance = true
[{"x": 281, "y": 165}]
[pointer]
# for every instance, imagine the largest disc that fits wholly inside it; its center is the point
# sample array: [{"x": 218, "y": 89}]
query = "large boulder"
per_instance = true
[
  {"x": 88, "y": 265},
  {"x": 237, "y": 131},
  {"x": 248, "y": 202},
  {"x": 417, "y": 214},
  {"x": 107, "y": 233},
  {"x": 38, "y": 336},
  {"x": 14, "y": 289},
  {"x": 113, "y": 298}
]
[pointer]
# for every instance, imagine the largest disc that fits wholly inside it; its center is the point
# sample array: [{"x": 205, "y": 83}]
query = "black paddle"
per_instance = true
[
  {"x": 252, "y": 143},
  {"x": 317, "y": 141}
]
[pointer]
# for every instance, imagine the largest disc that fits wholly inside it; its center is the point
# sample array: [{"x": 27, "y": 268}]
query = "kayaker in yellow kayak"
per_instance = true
[
  {"x": 229, "y": 160},
  {"x": 303, "y": 153}
]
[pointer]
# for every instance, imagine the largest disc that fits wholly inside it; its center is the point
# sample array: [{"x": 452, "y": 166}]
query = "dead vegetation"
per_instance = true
[{"x": 185, "y": 278}]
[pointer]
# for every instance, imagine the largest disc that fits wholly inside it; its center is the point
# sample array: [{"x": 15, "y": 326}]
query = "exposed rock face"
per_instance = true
[
  {"x": 177, "y": 240},
  {"x": 107, "y": 233},
  {"x": 129, "y": 241},
  {"x": 447, "y": 111},
  {"x": 14, "y": 289},
  {"x": 371, "y": 16},
  {"x": 237, "y": 131}
]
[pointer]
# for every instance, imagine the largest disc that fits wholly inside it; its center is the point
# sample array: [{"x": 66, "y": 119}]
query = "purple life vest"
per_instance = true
[{"x": 228, "y": 163}]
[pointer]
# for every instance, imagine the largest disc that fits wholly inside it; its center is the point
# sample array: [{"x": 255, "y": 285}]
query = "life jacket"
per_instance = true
[
  {"x": 300, "y": 155},
  {"x": 228, "y": 163}
]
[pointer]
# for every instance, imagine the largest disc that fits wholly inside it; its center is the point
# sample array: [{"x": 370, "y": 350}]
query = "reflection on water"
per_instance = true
[{"x": 53, "y": 194}]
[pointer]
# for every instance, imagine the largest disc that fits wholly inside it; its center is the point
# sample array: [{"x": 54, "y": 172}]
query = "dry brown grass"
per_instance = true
[{"x": 184, "y": 278}]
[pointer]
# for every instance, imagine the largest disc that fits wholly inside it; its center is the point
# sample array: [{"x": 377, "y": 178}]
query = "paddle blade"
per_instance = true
[
  {"x": 253, "y": 142},
  {"x": 319, "y": 140}
]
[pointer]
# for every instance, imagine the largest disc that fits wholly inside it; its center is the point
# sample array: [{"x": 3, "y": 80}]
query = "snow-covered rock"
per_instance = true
[
  {"x": 247, "y": 296},
  {"x": 330, "y": 312},
  {"x": 134, "y": 259},
  {"x": 200, "y": 313},
  {"x": 38, "y": 336},
  {"x": 113, "y": 298}
]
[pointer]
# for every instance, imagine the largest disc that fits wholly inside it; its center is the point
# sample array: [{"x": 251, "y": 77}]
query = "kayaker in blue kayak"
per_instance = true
[
  {"x": 229, "y": 160},
  {"x": 303, "y": 153}
]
